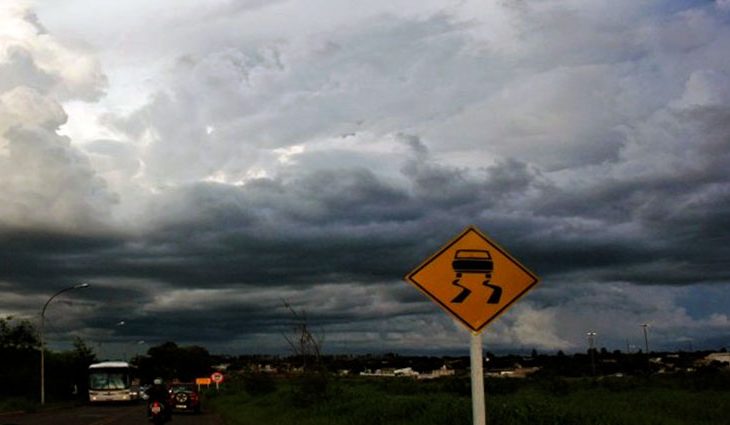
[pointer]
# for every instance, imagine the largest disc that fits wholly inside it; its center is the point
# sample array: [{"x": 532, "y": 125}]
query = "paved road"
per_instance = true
[{"x": 104, "y": 415}]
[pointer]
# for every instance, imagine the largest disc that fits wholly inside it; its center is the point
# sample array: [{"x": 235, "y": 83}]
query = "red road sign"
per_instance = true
[{"x": 217, "y": 377}]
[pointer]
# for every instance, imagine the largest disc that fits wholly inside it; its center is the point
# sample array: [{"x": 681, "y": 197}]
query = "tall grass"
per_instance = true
[{"x": 627, "y": 401}]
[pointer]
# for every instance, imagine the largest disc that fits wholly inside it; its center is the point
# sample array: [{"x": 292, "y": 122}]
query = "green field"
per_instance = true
[{"x": 686, "y": 399}]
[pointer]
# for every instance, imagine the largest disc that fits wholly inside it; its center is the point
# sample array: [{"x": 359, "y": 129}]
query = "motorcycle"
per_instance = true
[{"x": 158, "y": 413}]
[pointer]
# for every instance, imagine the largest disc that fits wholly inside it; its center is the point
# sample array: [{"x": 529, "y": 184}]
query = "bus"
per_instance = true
[{"x": 113, "y": 382}]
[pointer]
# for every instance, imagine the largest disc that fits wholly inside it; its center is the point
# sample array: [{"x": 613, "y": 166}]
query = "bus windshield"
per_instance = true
[
  {"x": 113, "y": 382},
  {"x": 109, "y": 379}
]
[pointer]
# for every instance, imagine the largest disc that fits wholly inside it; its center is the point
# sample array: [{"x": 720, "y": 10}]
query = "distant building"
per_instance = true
[
  {"x": 439, "y": 373},
  {"x": 390, "y": 372},
  {"x": 406, "y": 371},
  {"x": 716, "y": 357},
  {"x": 517, "y": 372},
  {"x": 267, "y": 368}
]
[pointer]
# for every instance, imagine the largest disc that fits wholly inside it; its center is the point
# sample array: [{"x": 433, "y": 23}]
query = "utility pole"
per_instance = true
[{"x": 646, "y": 338}]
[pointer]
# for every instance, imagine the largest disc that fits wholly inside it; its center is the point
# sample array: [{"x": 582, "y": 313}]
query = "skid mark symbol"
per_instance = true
[{"x": 474, "y": 261}]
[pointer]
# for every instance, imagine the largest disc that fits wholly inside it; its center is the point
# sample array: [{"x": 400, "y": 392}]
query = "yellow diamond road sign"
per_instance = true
[{"x": 472, "y": 278}]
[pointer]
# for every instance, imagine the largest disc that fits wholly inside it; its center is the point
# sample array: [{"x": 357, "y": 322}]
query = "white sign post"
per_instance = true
[{"x": 478, "y": 407}]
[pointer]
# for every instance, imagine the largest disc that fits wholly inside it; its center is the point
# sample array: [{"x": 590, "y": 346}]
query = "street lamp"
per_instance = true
[
  {"x": 125, "y": 344},
  {"x": 591, "y": 336},
  {"x": 138, "y": 344},
  {"x": 43, "y": 344}
]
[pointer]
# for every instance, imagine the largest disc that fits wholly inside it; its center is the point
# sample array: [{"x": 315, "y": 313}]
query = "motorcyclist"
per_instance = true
[{"x": 160, "y": 393}]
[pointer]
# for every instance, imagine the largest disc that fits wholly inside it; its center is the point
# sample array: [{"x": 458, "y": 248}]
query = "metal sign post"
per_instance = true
[
  {"x": 217, "y": 377},
  {"x": 478, "y": 408},
  {"x": 474, "y": 280}
]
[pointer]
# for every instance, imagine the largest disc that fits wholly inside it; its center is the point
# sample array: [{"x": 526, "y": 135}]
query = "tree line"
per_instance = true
[{"x": 66, "y": 372}]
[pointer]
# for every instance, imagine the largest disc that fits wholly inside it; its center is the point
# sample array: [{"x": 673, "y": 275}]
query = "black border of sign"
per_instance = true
[{"x": 409, "y": 277}]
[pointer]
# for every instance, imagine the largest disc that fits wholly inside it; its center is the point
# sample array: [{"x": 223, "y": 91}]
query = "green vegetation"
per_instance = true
[
  {"x": 561, "y": 393},
  {"x": 660, "y": 400},
  {"x": 170, "y": 361},
  {"x": 66, "y": 372},
  {"x": 14, "y": 404},
  {"x": 20, "y": 368}
]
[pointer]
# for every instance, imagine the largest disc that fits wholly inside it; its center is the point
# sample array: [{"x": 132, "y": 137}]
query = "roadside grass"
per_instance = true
[
  {"x": 625, "y": 401},
  {"x": 351, "y": 404},
  {"x": 14, "y": 404},
  {"x": 21, "y": 404},
  {"x": 656, "y": 406}
]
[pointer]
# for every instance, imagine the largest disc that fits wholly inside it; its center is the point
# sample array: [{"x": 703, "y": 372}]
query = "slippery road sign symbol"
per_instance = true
[
  {"x": 473, "y": 279},
  {"x": 474, "y": 261}
]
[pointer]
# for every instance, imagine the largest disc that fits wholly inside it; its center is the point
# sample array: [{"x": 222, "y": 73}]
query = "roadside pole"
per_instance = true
[{"x": 477, "y": 380}]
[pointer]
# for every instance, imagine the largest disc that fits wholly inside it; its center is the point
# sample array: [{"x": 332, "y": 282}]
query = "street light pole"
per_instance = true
[
  {"x": 124, "y": 349},
  {"x": 42, "y": 341},
  {"x": 646, "y": 337},
  {"x": 592, "y": 350}
]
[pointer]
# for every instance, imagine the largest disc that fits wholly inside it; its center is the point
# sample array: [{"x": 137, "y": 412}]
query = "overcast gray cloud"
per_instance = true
[{"x": 197, "y": 167}]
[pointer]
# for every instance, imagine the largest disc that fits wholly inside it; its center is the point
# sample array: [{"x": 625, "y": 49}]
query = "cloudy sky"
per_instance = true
[{"x": 200, "y": 162}]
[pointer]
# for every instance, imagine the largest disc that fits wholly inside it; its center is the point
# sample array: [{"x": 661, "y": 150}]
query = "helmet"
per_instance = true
[{"x": 157, "y": 381}]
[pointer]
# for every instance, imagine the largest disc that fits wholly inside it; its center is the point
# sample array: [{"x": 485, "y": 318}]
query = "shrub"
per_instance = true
[
  {"x": 309, "y": 388},
  {"x": 257, "y": 383},
  {"x": 456, "y": 385}
]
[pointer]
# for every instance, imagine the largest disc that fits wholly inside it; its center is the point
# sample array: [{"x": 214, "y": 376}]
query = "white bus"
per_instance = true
[{"x": 113, "y": 381}]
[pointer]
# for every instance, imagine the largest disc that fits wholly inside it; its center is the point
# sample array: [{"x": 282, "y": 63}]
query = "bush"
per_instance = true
[
  {"x": 456, "y": 385},
  {"x": 257, "y": 383},
  {"x": 555, "y": 385},
  {"x": 309, "y": 388},
  {"x": 706, "y": 378},
  {"x": 503, "y": 386},
  {"x": 18, "y": 404}
]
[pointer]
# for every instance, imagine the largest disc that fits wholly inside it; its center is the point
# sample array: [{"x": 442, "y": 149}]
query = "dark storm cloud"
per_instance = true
[
  {"x": 328, "y": 226},
  {"x": 325, "y": 226},
  {"x": 339, "y": 226},
  {"x": 348, "y": 225},
  {"x": 222, "y": 316},
  {"x": 39, "y": 259},
  {"x": 319, "y": 164}
]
